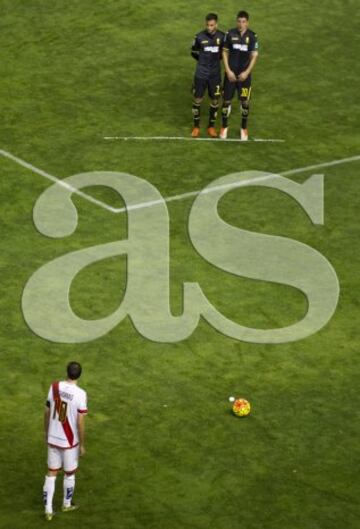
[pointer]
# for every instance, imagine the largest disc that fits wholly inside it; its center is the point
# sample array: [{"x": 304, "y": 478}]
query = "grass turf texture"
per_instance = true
[{"x": 73, "y": 73}]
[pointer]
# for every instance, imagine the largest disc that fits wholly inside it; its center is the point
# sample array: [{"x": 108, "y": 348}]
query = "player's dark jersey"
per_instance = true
[
  {"x": 207, "y": 48},
  {"x": 240, "y": 48}
]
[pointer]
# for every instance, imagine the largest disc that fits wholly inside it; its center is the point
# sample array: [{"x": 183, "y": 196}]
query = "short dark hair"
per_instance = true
[
  {"x": 243, "y": 14},
  {"x": 73, "y": 370},
  {"x": 211, "y": 16}
]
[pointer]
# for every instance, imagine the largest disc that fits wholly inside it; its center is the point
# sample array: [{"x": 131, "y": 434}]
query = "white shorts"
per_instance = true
[{"x": 63, "y": 458}]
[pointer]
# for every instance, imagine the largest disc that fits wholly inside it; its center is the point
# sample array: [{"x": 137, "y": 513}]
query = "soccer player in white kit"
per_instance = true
[{"x": 66, "y": 407}]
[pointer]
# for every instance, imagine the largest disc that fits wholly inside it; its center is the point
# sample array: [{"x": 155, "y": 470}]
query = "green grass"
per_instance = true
[{"x": 74, "y": 72}]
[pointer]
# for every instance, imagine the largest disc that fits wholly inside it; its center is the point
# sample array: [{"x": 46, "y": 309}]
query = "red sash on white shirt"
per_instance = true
[{"x": 66, "y": 425}]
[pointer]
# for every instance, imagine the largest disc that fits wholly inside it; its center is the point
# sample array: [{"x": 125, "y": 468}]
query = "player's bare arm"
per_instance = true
[
  {"x": 46, "y": 422},
  {"x": 81, "y": 430},
  {"x": 244, "y": 75},
  {"x": 230, "y": 74}
]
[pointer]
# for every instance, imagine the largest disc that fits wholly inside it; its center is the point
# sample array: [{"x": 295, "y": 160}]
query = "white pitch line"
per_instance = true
[
  {"x": 174, "y": 197},
  {"x": 321, "y": 165},
  {"x": 191, "y": 194},
  {"x": 40, "y": 172},
  {"x": 185, "y": 138}
]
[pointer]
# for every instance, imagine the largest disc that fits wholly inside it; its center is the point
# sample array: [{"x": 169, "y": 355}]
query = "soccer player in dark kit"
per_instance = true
[
  {"x": 207, "y": 49},
  {"x": 240, "y": 53}
]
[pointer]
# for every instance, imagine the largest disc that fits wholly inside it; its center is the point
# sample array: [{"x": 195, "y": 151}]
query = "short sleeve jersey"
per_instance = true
[
  {"x": 66, "y": 401},
  {"x": 209, "y": 46},
  {"x": 240, "y": 48}
]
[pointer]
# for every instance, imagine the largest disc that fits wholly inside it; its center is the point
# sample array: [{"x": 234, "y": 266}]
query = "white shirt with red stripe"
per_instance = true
[{"x": 66, "y": 401}]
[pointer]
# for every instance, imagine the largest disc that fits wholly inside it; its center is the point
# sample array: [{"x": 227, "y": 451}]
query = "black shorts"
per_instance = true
[
  {"x": 212, "y": 85},
  {"x": 243, "y": 89}
]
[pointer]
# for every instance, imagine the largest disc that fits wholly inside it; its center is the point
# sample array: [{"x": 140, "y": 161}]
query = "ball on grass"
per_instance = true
[{"x": 241, "y": 407}]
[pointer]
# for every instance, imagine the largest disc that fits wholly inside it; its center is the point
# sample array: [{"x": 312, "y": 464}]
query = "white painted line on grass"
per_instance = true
[
  {"x": 186, "y": 138},
  {"x": 182, "y": 196},
  {"x": 191, "y": 194},
  {"x": 40, "y": 172},
  {"x": 321, "y": 165}
]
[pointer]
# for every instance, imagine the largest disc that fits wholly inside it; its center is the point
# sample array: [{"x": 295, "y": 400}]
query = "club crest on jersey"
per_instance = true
[
  {"x": 217, "y": 41},
  {"x": 247, "y": 40}
]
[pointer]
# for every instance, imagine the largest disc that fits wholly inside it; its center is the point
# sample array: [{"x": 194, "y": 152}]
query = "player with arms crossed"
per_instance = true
[
  {"x": 240, "y": 53},
  {"x": 206, "y": 49},
  {"x": 66, "y": 407}
]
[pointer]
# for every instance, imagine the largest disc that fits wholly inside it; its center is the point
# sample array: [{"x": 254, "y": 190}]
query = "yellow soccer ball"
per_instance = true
[{"x": 241, "y": 407}]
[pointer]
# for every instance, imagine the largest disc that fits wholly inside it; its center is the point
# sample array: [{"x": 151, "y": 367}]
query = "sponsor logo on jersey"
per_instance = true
[
  {"x": 212, "y": 49},
  {"x": 234, "y": 38},
  {"x": 204, "y": 42},
  {"x": 241, "y": 47}
]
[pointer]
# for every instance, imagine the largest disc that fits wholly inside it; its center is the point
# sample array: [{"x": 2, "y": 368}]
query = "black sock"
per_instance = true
[
  {"x": 225, "y": 115},
  {"x": 245, "y": 114},
  {"x": 213, "y": 110},
  {"x": 196, "y": 114}
]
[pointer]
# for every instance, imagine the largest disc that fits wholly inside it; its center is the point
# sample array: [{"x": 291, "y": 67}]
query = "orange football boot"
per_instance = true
[
  {"x": 212, "y": 132},
  {"x": 195, "y": 132}
]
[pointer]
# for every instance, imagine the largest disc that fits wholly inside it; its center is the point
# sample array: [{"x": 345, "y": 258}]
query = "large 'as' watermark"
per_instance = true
[{"x": 46, "y": 304}]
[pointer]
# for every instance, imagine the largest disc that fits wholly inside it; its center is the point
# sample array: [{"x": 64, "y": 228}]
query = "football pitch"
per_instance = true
[{"x": 164, "y": 450}]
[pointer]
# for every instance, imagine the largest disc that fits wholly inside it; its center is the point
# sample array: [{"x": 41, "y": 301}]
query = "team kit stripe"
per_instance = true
[
  {"x": 66, "y": 425},
  {"x": 68, "y": 472},
  {"x": 63, "y": 447}
]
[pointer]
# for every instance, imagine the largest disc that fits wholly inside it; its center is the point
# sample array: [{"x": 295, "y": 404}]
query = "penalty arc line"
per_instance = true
[{"x": 182, "y": 196}]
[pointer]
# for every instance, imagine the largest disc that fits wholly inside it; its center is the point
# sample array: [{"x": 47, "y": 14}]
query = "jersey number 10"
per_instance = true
[{"x": 61, "y": 408}]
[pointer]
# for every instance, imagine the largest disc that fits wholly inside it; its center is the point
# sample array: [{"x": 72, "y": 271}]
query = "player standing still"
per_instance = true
[
  {"x": 64, "y": 416},
  {"x": 206, "y": 49},
  {"x": 240, "y": 53}
]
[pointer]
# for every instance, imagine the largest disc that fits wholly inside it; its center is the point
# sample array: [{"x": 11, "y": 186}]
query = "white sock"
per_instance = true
[
  {"x": 69, "y": 487},
  {"x": 48, "y": 492}
]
